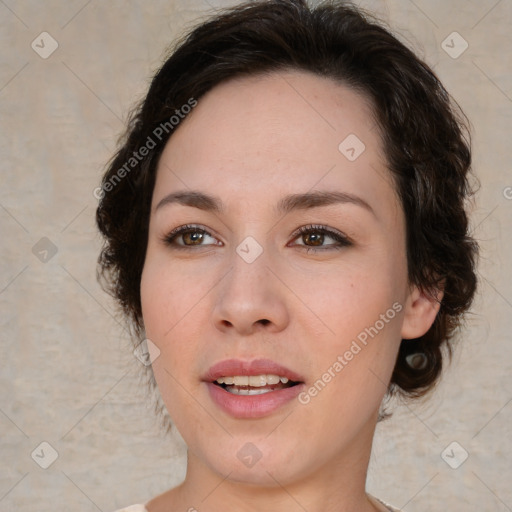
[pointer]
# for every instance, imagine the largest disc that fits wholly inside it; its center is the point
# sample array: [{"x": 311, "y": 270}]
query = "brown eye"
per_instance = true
[
  {"x": 313, "y": 238},
  {"x": 320, "y": 238},
  {"x": 193, "y": 237},
  {"x": 190, "y": 236}
]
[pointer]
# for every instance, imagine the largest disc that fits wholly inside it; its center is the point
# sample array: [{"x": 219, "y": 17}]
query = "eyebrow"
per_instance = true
[
  {"x": 319, "y": 198},
  {"x": 287, "y": 204},
  {"x": 194, "y": 199}
]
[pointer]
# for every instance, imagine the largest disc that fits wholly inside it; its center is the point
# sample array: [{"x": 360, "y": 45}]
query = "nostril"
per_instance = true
[{"x": 264, "y": 321}]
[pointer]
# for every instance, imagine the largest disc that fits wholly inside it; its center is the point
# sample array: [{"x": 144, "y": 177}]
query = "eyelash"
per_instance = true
[
  {"x": 181, "y": 230},
  {"x": 341, "y": 239}
]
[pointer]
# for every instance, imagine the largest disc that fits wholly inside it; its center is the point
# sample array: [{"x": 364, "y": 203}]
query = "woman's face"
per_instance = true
[{"x": 291, "y": 262}]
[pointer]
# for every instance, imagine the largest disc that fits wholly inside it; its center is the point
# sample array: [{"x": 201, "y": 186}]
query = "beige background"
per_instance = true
[{"x": 67, "y": 373}]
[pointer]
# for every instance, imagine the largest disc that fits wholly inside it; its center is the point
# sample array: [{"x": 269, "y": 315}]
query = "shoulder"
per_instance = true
[
  {"x": 382, "y": 506},
  {"x": 390, "y": 508},
  {"x": 133, "y": 508}
]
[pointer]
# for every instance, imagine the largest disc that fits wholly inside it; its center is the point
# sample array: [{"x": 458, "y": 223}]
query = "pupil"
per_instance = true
[
  {"x": 314, "y": 239},
  {"x": 193, "y": 237}
]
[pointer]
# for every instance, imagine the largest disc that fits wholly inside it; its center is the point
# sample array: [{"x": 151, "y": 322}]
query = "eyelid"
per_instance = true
[
  {"x": 342, "y": 239},
  {"x": 170, "y": 237}
]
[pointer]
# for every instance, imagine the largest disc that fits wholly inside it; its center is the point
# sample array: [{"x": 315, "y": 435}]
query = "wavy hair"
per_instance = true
[{"x": 424, "y": 132}]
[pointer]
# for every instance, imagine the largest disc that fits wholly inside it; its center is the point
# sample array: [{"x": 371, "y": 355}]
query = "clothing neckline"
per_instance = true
[{"x": 140, "y": 507}]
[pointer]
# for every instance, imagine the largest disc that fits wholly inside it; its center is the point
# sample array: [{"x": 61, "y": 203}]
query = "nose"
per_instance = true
[{"x": 250, "y": 299}]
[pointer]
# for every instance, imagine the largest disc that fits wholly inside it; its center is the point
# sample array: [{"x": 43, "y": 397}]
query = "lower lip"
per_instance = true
[{"x": 252, "y": 406}]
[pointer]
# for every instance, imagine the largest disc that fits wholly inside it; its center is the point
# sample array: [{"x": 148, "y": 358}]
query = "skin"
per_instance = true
[{"x": 250, "y": 142}]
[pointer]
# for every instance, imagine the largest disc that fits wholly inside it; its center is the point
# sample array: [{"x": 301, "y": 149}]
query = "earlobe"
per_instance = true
[{"x": 421, "y": 309}]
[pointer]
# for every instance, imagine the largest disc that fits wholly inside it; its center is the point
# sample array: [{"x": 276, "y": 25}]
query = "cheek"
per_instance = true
[
  {"x": 350, "y": 297},
  {"x": 171, "y": 294},
  {"x": 360, "y": 307},
  {"x": 165, "y": 303},
  {"x": 169, "y": 320}
]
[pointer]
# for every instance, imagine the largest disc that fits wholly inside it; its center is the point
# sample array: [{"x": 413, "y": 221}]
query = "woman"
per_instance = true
[{"x": 285, "y": 224}]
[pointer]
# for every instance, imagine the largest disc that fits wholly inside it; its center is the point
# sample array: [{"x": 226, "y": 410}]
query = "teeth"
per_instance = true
[
  {"x": 255, "y": 381},
  {"x": 239, "y": 391},
  {"x": 273, "y": 379}
]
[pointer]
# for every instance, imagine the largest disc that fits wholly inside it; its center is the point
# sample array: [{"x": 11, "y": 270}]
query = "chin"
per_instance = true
[{"x": 260, "y": 464}]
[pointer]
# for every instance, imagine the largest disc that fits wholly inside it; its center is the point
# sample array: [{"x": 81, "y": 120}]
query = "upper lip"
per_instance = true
[{"x": 234, "y": 367}]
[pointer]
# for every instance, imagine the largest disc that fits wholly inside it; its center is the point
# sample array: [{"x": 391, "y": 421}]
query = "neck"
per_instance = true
[{"x": 338, "y": 486}]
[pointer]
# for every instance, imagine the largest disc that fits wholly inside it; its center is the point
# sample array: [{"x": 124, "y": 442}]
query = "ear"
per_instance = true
[{"x": 421, "y": 309}]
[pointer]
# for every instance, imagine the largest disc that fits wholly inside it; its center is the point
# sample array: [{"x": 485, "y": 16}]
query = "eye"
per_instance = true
[
  {"x": 320, "y": 238},
  {"x": 190, "y": 236}
]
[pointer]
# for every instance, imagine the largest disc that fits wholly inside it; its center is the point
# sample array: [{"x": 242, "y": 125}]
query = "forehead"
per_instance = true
[{"x": 286, "y": 132}]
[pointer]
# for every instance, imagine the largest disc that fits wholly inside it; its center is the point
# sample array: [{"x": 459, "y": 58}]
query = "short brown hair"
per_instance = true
[{"x": 425, "y": 137}]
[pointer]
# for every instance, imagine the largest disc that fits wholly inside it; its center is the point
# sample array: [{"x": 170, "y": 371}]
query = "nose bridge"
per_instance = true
[
  {"x": 250, "y": 296},
  {"x": 248, "y": 282},
  {"x": 250, "y": 260}
]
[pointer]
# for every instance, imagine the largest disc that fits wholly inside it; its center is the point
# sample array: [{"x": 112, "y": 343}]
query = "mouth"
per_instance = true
[
  {"x": 252, "y": 389},
  {"x": 258, "y": 375},
  {"x": 254, "y": 384}
]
